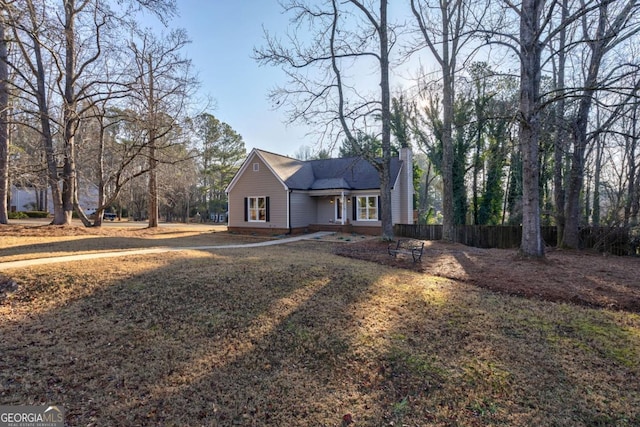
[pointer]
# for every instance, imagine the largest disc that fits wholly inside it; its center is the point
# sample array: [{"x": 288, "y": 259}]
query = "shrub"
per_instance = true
[
  {"x": 37, "y": 214},
  {"x": 17, "y": 215}
]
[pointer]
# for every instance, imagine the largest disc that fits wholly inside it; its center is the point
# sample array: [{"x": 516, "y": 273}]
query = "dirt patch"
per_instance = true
[{"x": 579, "y": 277}]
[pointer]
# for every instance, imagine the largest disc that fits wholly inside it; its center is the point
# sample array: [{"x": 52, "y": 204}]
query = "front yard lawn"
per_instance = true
[{"x": 295, "y": 335}]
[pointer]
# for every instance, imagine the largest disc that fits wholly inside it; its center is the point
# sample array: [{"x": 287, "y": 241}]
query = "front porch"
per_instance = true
[{"x": 346, "y": 212}]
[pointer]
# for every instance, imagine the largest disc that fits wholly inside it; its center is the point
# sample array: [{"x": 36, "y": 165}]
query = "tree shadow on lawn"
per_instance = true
[
  {"x": 103, "y": 243},
  {"x": 111, "y": 352},
  {"x": 255, "y": 337}
]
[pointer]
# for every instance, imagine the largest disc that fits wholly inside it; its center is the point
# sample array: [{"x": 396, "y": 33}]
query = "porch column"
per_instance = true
[{"x": 289, "y": 210}]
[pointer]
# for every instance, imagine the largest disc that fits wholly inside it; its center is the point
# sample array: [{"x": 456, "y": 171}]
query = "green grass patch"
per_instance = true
[{"x": 613, "y": 342}]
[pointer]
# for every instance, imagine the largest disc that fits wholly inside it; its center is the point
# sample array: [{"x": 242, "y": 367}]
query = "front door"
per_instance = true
[{"x": 339, "y": 210}]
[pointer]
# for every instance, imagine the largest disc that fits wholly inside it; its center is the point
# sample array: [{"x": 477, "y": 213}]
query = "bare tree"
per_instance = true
[
  {"x": 4, "y": 123},
  {"x": 632, "y": 150},
  {"x": 537, "y": 27},
  {"x": 616, "y": 136},
  {"x": 558, "y": 59},
  {"x": 160, "y": 92},
  {"x": 321, "y": 91},
  {"x": 445, "y": 30},
  {"x": 530, "y": 53},
  {"x": 50, "y": 71},
  {"x": 615, "y": 22},
  {"x": 33, "y": 83},
  {"x": 73, "y": 92},
  {"x": 62, "y": 44},
  {"x": 111, "y": 158}
]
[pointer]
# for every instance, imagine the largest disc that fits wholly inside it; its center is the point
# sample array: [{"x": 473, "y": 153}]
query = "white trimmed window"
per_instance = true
[
  {"x": 367, "y": 209},
  {"x": 257, "y": 208}
]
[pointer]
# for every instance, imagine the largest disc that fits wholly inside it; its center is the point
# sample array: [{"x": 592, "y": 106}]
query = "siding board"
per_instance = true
[
  {"x": 254, "y": 184},
  {"x": 303, "y": 210}
]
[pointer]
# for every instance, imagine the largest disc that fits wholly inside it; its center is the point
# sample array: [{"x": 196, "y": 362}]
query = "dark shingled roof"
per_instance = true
[{"x": 352, "y": 173}]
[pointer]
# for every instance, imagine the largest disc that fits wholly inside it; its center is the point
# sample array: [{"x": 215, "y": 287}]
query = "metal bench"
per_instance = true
[{"x": 407, "y": 247}]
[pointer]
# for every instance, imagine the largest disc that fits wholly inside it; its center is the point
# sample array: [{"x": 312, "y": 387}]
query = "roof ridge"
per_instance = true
[
  {"x": 278, "y": 155},
  {"x": 335, "y": 158}
]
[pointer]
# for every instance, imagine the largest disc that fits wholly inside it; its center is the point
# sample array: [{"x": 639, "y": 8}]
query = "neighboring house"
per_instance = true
[
  {"x": 277, "y": 194},
  {"x": 25, "y": 198}
]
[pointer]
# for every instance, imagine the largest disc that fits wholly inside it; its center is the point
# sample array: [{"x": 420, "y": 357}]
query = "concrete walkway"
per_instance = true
[{"x": 81, "y": 257}]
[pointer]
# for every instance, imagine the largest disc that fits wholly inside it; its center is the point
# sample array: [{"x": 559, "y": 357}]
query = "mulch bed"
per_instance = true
[{"x": 580, "y": 277}]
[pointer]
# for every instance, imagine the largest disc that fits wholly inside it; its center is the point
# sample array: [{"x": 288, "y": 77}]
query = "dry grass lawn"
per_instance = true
[
  {"x": 29, "y": 242},
  {"x": 294, "y": 335}
]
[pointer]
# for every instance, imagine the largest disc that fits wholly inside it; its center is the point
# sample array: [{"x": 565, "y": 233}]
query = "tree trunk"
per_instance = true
[
  {"x": 153, "y": 187},
  {"x": 447, "y": 145},
  {"x": 634, "y": 217},
  {"x": 630, "y": 217},
  {"x": 571, "y": 237},
  {"x": 385, "y": 186},
  {"x": 69, "y": 178},
  {"x": 426, "y": 202},
  {"x": 448, "y": 40},
  {"x": 595, "y": 216},
  {"x": 75, "y": 196},
  {"x": 4, "y": 126},
  {"x": 45, "y": 125},
  {"x": 477, "y": 161},
  {"x": 505, "y": 202},
  {"x": 76, "y": 206},
  {"x": 153, "y": 210},
  {"x": 530, "y": 53},
  {"x": 101, "y": 179},
  {"x": 559, "y": 144}
]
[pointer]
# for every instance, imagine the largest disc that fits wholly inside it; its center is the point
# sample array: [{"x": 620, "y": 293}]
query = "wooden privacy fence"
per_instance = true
[{"x": 608, "y": 239}]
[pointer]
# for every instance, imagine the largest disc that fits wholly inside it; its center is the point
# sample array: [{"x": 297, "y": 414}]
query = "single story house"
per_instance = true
[{"x": 276, "y": 194}]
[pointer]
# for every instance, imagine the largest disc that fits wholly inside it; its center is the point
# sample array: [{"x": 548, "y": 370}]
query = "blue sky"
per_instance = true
[{"x": 223, "y": 35}]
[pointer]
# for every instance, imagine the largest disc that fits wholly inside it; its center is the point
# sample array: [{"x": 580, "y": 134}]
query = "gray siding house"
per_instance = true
[{"x": 277, "y": 194}]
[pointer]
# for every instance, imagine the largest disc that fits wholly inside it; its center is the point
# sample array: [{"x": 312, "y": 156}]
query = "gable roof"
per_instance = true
[
  {"x": 351, "y": 173},
  {"x": 286, "y": 168}
]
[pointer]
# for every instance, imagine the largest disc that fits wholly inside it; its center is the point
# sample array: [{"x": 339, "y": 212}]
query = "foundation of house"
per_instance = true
[{"x": 312, "y": 228}]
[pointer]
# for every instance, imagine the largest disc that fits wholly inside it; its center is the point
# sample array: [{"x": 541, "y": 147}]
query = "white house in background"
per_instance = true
[
  {"x": 24, "y": 198},
  {"x": 272, "y": 193}
]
